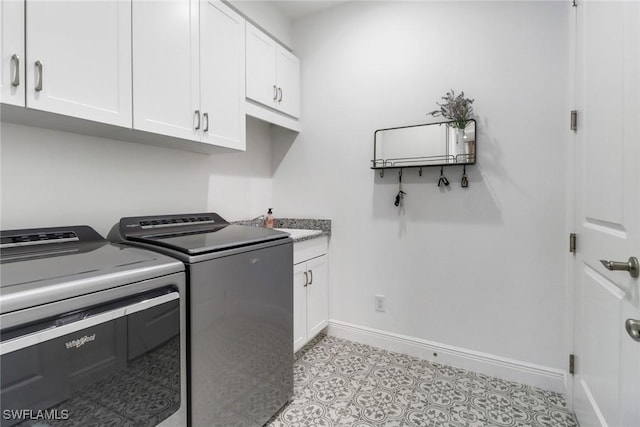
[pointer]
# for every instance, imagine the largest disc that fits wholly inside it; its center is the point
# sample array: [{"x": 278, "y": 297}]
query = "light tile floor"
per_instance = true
[{"x": 342, "y": 383}]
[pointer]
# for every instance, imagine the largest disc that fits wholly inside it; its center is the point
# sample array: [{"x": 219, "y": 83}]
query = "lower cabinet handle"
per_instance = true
[
  {"x": 306, "y": 279},
  {"x": 197, "y": 113},
  {"x": 280, "y": 92},
  {"x": 206, "y": 122},
  {"x": 39, "y": 68},
  {"x": 15, "y": 81},
  {"x": 311, "y": 274}
]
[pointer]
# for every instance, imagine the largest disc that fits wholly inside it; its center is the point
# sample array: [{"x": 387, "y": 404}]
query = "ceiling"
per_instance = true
[{"x": 296, "y": 9}]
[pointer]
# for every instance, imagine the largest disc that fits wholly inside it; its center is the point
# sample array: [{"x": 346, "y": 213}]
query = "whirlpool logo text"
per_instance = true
[{"x": 80, "y": 341}]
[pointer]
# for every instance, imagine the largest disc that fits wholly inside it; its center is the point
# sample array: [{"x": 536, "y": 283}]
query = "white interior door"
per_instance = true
[{"x": 606, "y": 383}]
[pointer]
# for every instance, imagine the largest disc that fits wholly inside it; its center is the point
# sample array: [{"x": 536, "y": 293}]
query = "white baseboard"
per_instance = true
[{"x": 512, "y": 370}]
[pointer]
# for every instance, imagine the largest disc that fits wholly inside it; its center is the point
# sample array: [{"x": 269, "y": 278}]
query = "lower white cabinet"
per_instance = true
[{"x": 310, "y": 290}]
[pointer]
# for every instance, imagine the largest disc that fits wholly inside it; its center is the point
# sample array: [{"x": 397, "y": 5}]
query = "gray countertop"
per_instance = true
[{"x": 323, "y": 225}]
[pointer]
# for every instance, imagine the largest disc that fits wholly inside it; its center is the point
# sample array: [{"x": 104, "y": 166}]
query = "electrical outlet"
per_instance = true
[{"x": 380, "y": 306}]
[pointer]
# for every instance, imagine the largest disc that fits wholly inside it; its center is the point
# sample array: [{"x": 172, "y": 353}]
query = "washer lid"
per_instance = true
[
  {"x": 194, "y": 234},
  {"x": 38, "y": 269},
  {"x": 215, "y": 239}
]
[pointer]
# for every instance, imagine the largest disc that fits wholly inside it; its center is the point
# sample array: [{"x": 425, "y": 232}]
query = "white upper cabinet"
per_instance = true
[
  {"x": 12, "y": 75},
  {"x": 288, "y": 66},
  {"x": 166, "y": 69},
  {"x": 222, "y": 75},
  {"x": 79, "y": 59},
  {"x": 188, "y": 71},
  {"x": 273, "y": 73},
  {"x": 261, "y": 67}
]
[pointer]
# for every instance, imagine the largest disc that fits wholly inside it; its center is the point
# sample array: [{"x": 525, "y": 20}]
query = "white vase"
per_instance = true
[{"x": 461, "y": 146}]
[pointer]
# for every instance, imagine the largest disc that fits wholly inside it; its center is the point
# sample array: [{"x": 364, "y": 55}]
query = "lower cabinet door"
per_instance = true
[
  {"x": 317, "y": 295},
  {"x": 299, "y": 306}
]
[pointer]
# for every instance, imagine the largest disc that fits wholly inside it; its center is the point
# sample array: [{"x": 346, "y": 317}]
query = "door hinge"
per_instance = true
[
  {"x": 572, "y": 243},
  {"x": 574, "y": 3},
  {"x": 572, "y": 364},
  {"x": 574, "y": 120}
]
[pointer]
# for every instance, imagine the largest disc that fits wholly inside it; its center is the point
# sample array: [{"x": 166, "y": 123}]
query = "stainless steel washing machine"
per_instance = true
[
  {"x": 91, "y": 333},
  {"x": 240, "y": 292}
]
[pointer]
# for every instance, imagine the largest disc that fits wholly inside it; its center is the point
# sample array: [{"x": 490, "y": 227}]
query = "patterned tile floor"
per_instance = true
[{"x": 342, "y": 383}]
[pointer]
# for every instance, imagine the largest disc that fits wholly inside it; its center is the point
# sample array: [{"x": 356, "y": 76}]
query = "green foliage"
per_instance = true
[{"x": 457, "y": 109}]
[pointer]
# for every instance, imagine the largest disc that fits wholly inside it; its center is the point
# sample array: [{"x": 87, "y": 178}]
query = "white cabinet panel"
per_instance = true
[
  {"x": 273, "y": 73},
  {"x": 288, "y": 66},
  {"x": 317, "y": 296},
  {"x": 261, "y": 67},
  {"x": 79, "y": 59},
  {"x": 222, "y": 77},
  {"x": 12, "y": 75},
  {"x": 299, "y": 306},
  {"x": 311, "y": 290},
  {"x": 188, "y": 71},
  {"x": 166, "y": 89}
]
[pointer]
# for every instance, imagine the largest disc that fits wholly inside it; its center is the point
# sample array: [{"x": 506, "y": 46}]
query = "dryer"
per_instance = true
[{"x": 92, "y": 333}]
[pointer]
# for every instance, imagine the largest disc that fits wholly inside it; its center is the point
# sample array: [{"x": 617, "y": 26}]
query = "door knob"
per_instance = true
[
  {"x": 631, "y": 266},
  {"x": 633, "y": 329}
]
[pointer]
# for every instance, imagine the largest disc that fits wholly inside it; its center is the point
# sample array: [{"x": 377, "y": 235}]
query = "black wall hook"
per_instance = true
[
  {"x": 464, "y": 182},
  {"x": 443, "y": 179},
  {"x": 401, "y": 194}
]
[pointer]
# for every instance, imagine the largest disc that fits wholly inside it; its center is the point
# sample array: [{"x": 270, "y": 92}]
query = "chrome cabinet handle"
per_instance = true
[
  {"x": 306, "y": 279},
  {"x": 631, "y": 266},
  {"x": 197, "y": 113},
  {"x": 280, "y": 92},
  {"x": 633, "y": 329},
  {"x": 15, "y": 81},
  {"x": 39, "y": 68},
  {"x": 311, "y": 274},
  {"x": 206, "y": 122},
  {"x": 275, "y": 93}
]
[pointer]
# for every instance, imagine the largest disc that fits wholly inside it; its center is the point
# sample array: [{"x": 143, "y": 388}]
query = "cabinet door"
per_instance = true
[
  {"x": 299, "y": 306},
  {"x": 317, "y": 295},
  {"x": 80, "y": 59},
  {"x": 12, "y": 74},
  {"x": 166, "y": 90},
  {"x": 261, "y": 67},
  {"x": 222, "y": 72},
  {"x": 288, "y": 66}
]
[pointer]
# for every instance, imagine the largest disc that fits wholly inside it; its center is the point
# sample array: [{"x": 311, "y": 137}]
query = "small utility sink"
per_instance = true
[{"x": 297, "y": 233}]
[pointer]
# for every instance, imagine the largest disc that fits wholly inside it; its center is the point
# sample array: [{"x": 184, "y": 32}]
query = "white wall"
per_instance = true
[
  {"x": 481, "y": 268},
  {"x": 267, "y": 17},
  {"x": 51, "y": 178}
]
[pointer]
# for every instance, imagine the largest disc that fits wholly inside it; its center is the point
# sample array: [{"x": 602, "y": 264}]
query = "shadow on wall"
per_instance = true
[
  {"x": 426, "y": 202},
  {"x": 282, "y": 140}
]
